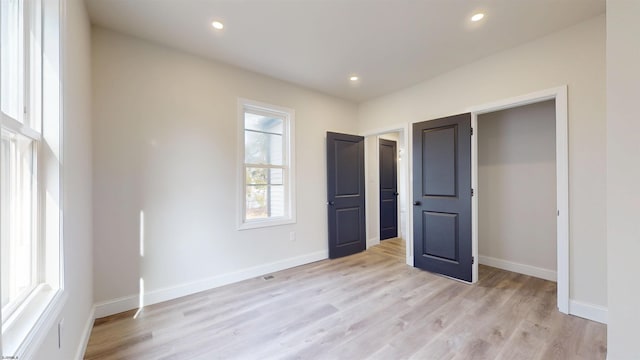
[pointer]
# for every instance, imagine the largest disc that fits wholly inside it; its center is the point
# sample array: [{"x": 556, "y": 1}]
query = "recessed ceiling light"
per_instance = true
[
  {"x": 217, "y": 25},
  {"x": 353, "y": 78},
  {"x": 477, "y": 17}
]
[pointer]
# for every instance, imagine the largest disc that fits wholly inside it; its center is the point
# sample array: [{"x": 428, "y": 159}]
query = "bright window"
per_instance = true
[
  {"x": 29, "y": 176},
  {"x": 12, "y": 64},
  {"x": 267, "y": 166},
  {"x": 19, "y": 248}
]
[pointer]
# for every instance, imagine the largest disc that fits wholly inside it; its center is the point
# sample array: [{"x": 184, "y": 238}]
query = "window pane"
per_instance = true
[
  {"x": 17, "y": 237},
  {"x": 35, "y": 66},
  {"x": 11, "y": 64},
  {"x": 265, "y": 201},
  {"x": 256, "y": 202},
  {"x": 262, "y": 148},
  {"x": 276, "y": 200},
  {"x": 6, "y": 165},
  {"x": 263, "y": 123},
  {"x": 256, "y": 176},
  {"x": 276, "y": 176}
]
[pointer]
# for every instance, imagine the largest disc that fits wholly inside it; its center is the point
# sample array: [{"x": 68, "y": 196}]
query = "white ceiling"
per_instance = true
[{"x": 390, "y": 44}]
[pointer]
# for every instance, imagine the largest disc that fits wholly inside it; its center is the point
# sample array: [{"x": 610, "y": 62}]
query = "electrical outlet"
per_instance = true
[{"x": 292, "y": 236}]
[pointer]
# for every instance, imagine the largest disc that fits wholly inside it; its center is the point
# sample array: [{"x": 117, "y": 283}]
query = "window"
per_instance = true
[
  {"x": 29, "y": 180},
  {"x": 267, "y": 165},
  {"x": 19, "y": 191},
  {"x": 18, "y": 248}
]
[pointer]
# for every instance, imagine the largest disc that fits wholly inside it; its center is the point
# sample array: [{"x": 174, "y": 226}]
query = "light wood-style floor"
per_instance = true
[{"x": 369, "y": 305}]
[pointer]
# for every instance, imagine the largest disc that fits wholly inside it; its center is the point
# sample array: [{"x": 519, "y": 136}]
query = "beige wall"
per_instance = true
[
  {"x": 623, "y": 177},
  {"x": 517, "y": 186},
  {"x": 77, "y": 201},
  {"x": 575, "y": 57},
  {"x": 165, "y": 143}
]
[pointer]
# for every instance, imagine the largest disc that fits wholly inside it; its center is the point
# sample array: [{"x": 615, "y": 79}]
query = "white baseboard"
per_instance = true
[
  {"x": 131, "y": 302},
  {"x": 588, "y": 311},
  {"x": 373, "y": 242},
  {"x": 115, "y": 306},
  {"x": 86, "y": 334},
  {"x": 541, "y": 273},
  {"x": 576, "y": 308}
]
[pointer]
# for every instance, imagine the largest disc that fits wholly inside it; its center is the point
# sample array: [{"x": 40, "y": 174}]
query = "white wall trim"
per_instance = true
[
  {"x": 114, "y": 306},
  {"x": 520, "y": 268},
  {"x": 404, "y": 131},
  {"x": 408, "y": 164},
  {"x": 86, "y": 334},
  {"x": 385, "y": 130},
  {"x": 589, "y": 311},
  {"x": 370, "y": 190},
  {"x": 559, "y": 94}
]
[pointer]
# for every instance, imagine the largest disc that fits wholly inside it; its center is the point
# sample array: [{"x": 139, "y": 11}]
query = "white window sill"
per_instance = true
[
  {"x": 256, "y": 224},
  {"x": 24, "y": 330}
]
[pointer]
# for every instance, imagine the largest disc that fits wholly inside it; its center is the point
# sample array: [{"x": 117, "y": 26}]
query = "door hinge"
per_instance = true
[
  {"x": 472, "y": 192},
  {"x": 473, "y": 260},
  {"x": 471, "y": 131}
]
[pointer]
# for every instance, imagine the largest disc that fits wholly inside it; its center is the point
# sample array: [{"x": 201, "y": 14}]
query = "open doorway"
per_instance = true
[
  {"x": 379, "y": 187},
  {"x": 559, "y": 98},
  {"x": 517, "y": 210}
]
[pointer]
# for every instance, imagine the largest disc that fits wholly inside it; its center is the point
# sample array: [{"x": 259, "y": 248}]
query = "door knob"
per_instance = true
[{"x": 416, "y": 203}]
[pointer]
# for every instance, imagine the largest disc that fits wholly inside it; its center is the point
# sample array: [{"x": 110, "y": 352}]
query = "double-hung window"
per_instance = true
[
  {"x": 29, "y": 191},
  {"x": 267, "y": 165},
  {"x": 18, "y": 165}
]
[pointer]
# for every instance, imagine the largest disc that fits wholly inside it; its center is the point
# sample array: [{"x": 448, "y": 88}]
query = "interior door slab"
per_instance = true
[
  {"x": 346, "y": 194},
  {"x": 442, "y": 196}
]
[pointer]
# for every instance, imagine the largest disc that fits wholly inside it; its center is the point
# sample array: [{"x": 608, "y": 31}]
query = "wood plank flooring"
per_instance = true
[{"x": 366, "y": 306}]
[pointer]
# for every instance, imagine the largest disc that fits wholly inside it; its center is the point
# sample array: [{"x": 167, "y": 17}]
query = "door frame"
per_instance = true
[
  {"x": 403, "y": 167},
  {"x": 559, "y": 94}
]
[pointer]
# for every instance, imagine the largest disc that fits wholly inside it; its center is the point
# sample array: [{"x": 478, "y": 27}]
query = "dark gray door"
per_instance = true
[
  {"x": 345, "y": 192},
  {"x": 388, "y": 190},
  {"x": 442, "y": 196}
]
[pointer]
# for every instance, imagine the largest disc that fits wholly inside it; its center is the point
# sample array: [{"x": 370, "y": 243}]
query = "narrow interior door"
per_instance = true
[
  {"x": 388, "y": 189},
  {"x": 442, "y": 196},
  {"x": 345, "y": 194}
]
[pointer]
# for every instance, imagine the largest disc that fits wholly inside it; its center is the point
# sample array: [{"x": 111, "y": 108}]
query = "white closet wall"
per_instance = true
[{"x": 517, "y": 189}]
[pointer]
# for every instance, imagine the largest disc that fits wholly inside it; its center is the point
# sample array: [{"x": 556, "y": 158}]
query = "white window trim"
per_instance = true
[
  {"x": 29, "y": 325},
  {"x": 289, "y": 116}
]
